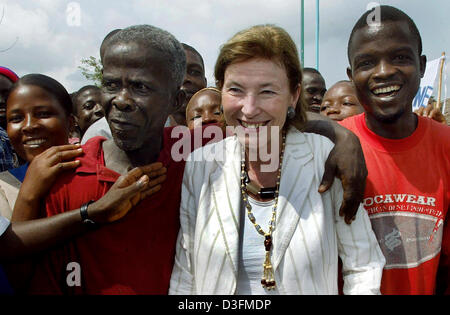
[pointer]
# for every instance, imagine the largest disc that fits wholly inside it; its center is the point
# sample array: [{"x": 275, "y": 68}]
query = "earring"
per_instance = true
[{"x": 291, "y": 112}]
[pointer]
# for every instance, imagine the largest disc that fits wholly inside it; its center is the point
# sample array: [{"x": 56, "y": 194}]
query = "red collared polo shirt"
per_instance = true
[{"x": 131, "y": 256}]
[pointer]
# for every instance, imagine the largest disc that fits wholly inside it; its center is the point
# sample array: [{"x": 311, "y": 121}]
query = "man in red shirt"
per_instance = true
[
  {"x": 143, "y": 69},
  {"x": 407, "y": 191}
]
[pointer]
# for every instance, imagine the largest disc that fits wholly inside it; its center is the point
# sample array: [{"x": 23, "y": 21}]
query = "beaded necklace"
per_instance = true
[{"x": 268, "y": 280}]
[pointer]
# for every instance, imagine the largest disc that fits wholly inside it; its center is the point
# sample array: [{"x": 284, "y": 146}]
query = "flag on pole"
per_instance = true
[
  {"x": 444, "y": 79},
  {"x": 427, "y": 83}
]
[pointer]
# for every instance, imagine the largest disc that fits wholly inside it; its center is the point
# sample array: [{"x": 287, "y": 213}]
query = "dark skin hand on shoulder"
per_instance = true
[
  {"x": 45, "y": 168},
  {"x": 345, "y": 161},
  {"x": 118, "y": 201},
  {"x": 41, "y": 174},
  {"x": 431, "y": 112}
]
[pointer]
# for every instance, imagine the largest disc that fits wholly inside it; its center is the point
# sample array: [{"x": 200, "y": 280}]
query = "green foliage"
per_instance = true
[{"x": 91, "y": 69}]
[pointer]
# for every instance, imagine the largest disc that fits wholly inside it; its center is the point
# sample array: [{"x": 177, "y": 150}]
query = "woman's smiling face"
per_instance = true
[
  {"x": 256, "y": 93},
  {"x": 36, "y": 121}
]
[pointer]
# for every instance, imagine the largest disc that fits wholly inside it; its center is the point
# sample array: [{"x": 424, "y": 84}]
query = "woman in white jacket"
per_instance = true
[{"x": 252, "y": 219}]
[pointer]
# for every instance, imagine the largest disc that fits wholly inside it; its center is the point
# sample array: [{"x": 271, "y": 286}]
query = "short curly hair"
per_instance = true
[
  {"x": 387, "y": 13},
  {"x": 160, "y": 40}
]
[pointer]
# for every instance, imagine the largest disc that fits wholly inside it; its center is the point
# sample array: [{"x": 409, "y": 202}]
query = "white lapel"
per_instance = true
[
  {"x": 296, "y": 178},
  {"x": 226, "y": 196}
]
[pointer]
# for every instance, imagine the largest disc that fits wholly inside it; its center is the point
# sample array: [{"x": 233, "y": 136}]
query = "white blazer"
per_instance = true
[{"x": 309, "y": 234}]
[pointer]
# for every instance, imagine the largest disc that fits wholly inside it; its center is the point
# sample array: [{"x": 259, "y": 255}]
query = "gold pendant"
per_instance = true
[{"x": 268, "y": 280}]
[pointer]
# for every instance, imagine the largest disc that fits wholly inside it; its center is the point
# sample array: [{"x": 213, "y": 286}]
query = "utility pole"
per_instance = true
[
  {"x": 302, "y": 32},
  {"x": 317, "y": 34}
]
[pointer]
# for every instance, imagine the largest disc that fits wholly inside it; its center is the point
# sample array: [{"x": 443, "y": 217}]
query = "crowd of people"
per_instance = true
[{"x": 342, "y": 204}]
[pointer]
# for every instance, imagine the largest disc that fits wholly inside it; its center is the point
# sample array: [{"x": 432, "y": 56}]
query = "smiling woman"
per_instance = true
[
  {"x": 38, "y": 118},
  {"x": 270, "y": 231}
]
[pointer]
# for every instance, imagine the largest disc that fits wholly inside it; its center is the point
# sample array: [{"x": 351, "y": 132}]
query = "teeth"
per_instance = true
[
  {"x": 388, "y": 89},
  {"x": 249, "y": 125},
  {"x": 35, "y": 142}
]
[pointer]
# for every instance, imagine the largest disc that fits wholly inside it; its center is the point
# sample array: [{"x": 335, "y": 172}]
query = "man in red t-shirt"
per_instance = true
[{"x": 407, "y": 192}]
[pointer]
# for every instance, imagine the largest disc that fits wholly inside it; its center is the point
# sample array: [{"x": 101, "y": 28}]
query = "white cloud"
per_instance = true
[{"x": 47, "y": 44}]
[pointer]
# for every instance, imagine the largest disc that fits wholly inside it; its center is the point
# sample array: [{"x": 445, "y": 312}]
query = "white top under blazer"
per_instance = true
[{"x": 309, "y": 234}]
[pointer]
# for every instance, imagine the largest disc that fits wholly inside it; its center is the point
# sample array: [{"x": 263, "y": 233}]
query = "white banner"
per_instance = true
[{"x": 427, "y": 84}]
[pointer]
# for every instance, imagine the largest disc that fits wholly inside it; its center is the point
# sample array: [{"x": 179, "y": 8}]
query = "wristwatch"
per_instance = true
[{"x": 84, "y": 215}]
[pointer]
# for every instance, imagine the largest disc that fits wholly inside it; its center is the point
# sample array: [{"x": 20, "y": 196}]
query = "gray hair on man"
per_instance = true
[{"x": 159, "y": 39}]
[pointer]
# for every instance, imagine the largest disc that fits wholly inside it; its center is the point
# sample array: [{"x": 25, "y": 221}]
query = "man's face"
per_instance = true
[
  {"x": 315, "y": 89},
  {"x": 138, "y": 94},
  {"x": 5, "y": 87},
  {"x": 89, "y": 108},
  {"x": 386, "y": 69},
  {"x": 194, "y": 79}
]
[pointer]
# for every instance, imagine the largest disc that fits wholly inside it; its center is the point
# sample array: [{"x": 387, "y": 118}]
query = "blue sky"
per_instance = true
[{"x": 44, "y": 40}]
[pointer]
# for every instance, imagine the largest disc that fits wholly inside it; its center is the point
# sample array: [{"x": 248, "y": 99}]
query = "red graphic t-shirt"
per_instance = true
[{"x": 407, "y": 197}]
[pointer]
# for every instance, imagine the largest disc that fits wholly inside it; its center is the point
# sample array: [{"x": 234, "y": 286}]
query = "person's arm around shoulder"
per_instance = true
[
  {"x": 345, "y": 161},
  {"x": 361, "y": 255},
  {"x": 42, "y": 172}
]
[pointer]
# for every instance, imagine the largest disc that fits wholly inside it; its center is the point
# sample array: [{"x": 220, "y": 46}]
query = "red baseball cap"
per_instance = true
[{"x": 9, "y": 74}]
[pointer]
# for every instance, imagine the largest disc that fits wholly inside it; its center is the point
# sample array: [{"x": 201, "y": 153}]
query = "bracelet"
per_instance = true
[{"x": 84, "y": 214}]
